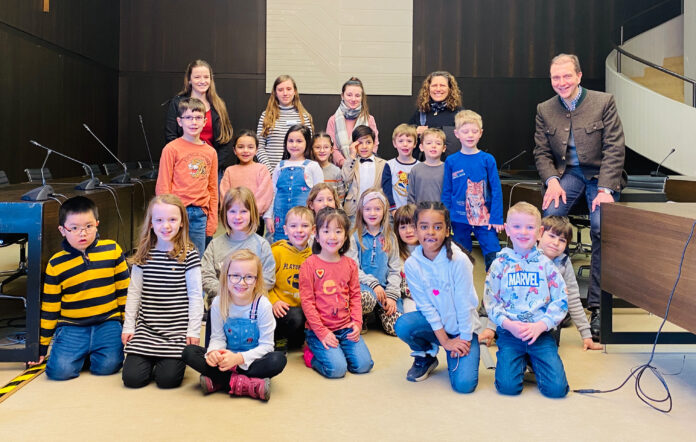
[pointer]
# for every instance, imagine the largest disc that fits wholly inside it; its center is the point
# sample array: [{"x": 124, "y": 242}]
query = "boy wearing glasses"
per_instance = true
[
  {"x": 84, "y": 297},
  {"x": 188, "y": 169}
]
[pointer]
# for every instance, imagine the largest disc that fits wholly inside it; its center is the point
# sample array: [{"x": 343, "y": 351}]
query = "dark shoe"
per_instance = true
[
  {"x": 566, "y": 322},
  {"x": 282, "y": 345},
  {"x": 595, "y": 325},
  {"x": 256, "y": 388},
  {"x": 208, "y": 386},
  {"x": 363, "y": 330},
  {"x": 421, "y": 368}
]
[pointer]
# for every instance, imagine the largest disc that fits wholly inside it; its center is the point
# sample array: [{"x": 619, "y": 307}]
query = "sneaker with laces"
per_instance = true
[
  {"x": 421, "y": 368},
  {"x": 208, "y": 386},
  {"x": 256, "y": 388}
]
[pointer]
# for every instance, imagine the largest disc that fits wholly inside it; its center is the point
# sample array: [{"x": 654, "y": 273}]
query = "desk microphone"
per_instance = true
[
  {"x": 89, "y": 184},
  {"x": 153, "y": 173},
  {"x": 657, "y": 172},
  {"x": 507, "y": 163},
  {"x": 43, "y": 192},
  {"x": 124, "y": 178}
]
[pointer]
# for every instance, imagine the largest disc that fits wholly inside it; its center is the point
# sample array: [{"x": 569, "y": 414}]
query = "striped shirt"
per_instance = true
[
  {"x": 83, "y": 288},
  {"x": 334, "y": 177},
  {"x": 271, "y": 147},
  {"x": 165, "y": 302}
]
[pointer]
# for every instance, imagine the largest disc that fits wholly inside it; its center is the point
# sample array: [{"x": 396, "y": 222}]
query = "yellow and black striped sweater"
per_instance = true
[{"x": 83, "y": 289}]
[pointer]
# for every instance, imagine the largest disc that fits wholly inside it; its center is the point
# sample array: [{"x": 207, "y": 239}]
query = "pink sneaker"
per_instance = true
[
  {"x": 256, "y": 388},
  {"x": 307, "y": 355}
]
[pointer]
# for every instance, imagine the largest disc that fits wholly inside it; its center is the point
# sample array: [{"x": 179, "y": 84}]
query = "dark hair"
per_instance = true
[
  {"x": 437, "y": 206},
  {"x": 192, "y": 104},
  {"x": 77, "y": 204},
  {"x": 323, "y": 218},
  {"x": 559, "y": 225},
  {"x": 306, "y": 133},
  {"x": 355, "y": 81},
  {"x": 361, "y": 131},
  {"x": 315, "y": 137},
  {"x": 403, "y": 215},
  {"x": 245, "y": 133}
]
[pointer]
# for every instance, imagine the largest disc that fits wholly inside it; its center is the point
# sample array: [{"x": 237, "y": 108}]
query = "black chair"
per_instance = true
[
  {"x": 34, "y": 175},
  {"x": 94, "y": 168},
  {"x": 112, "y": 168},
  {"x": 6, "y": 240},
  {"x": 132, "y": 165},
  {"x": 579, "y": 217}
]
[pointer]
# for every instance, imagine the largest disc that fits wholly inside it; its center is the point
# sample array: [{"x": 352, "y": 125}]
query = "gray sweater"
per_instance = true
[
  {"x": 577, "y": 313},
  {"x": 425, "y": 183}
]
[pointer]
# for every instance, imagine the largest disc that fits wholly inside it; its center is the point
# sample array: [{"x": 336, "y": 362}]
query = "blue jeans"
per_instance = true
[
  {"x": 576, "y": 186},
  {"x": 197, "y": 222},
  {"x": 414, "y": 330},
  {"x": 488, "y": 240},
  {"x": 334, "y": 362},
  {"x": 72, "y": 344},
  {"x": 543, "y": 356}
]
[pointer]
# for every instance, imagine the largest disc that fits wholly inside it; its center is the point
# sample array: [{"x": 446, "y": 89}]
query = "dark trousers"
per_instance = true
[
  {"x": 139, "y": 370},
  {"x": 267, "y": 366},
  {"x": 291, "y": 327}
]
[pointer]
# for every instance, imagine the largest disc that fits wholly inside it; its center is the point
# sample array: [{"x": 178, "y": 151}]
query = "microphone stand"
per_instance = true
[
  {"x": 153, "y": 173},
  {"x": 89, "y": 184},
  {"x": 43, "y": 192},
  {"x": 656, "y": 172},
  {"x": 124, "y": 178}
]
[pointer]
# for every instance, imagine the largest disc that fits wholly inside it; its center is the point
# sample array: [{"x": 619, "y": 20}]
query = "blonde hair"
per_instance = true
[
  {"x": 259, "y": 286},
  {"x": 562, "y": 58},
  {"x": 148, "y": 238},
  {"x": 405, "y": 129},
  {"x": 404, "y": 215},
  {"x": 467, "y": 117},
  {"x": 453, "y": 100},
  {"x": 214, "y": 99},
  {"x": 245, "y": 197},
  {"x": 525, "y": 208},
  {"x": 300, "y": 212},
  {"x": 387, "y": 233},
  {"x": 314, "y": 193},
  {"x": 273, "y": 107},
  {"x": 435, "y": 132}
]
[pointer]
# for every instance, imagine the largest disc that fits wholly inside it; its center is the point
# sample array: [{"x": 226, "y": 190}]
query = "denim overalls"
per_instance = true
[
  {"x": 291, "y": 190},
  {"x": 374, "y": 261},
  {"x": 243, "y": 333}
]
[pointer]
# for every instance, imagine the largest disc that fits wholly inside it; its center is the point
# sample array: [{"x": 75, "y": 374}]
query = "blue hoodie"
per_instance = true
[
  {"x": 444, "y": 291},
  {"x": 525, "y": 288}
]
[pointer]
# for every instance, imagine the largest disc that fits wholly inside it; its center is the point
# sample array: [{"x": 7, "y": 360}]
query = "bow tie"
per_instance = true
[{"x": 365, "y": 160}]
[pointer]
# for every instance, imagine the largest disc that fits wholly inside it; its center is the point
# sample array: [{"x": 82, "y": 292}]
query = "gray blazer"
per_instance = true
[{"x": 599, "y": 138}]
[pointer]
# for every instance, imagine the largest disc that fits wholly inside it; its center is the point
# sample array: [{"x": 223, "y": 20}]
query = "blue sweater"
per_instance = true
[{"x": 471, "y": 189}]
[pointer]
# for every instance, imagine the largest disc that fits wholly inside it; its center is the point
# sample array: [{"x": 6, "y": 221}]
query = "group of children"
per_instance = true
[{"x": 389, "y": 237}]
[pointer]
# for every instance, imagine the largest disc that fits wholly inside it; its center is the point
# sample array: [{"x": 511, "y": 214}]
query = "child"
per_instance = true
[
  {"x": 84, "y": 297},
  {"x": 471, "y": 189},
  {"x": 526, "y": 297},
  {"x": 240, "y": 358},
  {"x": 425, "y": 179},
  {"x": 164, "y": 307},
  {"x": 322, "y": 195},
  {"x": 188, "y": 169},
  {"x": 556, "y": 232},
  {"x": 322, "y": 145},
  {"x": 330, "y": 295},
  {"x": 363, "y": 170},
  {"x": 254, "y": 176},
  {"x": 293, "y": 177},
  {"x": 440, "y": 276},
  {"x": 284, "y": 110},
  {"x": 352, "y": 112},
  {"x": 289, "y": 254},
  {"x": 407, "y": 240},
  {"x": 404, "y": 140},
  {"x": 240, "y": 218},
  {"x": 375, "y": 252}
]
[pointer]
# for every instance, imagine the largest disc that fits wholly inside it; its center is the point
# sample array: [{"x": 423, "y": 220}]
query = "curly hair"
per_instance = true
[{"x": 453, "y": 100}]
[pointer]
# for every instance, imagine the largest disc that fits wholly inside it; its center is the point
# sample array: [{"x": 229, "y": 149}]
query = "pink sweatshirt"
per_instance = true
[
  {"x": 254, "y": 176},
  {"x": 338, "y": 158}
]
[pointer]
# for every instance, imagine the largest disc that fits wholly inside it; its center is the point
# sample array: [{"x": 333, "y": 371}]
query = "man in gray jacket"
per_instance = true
[{"x": 579, "y": 153}]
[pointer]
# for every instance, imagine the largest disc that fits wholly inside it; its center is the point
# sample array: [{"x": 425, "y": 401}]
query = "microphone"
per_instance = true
[
  {"x": 153, "y": 173},
  {"x": 657, "y": 172},
  {"x": 43, "y": 192},
  {"x": 507, "y": 163},
  {"x": 124, "y": 178},
  {"x": 89, "y": 184}
]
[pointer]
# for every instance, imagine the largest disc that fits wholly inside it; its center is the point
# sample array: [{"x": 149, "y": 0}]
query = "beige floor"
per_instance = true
[{"x": 380, "y": 405}]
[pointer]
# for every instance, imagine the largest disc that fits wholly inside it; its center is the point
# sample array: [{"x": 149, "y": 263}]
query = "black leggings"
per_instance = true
[
  {"x": 271, "y": 364},
  {"x": 292, "y": 327},
  {"x": 139, "y": 370}
]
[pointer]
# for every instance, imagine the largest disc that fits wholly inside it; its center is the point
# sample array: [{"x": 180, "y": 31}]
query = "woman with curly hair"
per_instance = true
[{"x": 438, "y": 101}]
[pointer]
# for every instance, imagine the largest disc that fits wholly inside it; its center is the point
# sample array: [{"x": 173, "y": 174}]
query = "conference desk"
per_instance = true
[
  {"x": 642, "y": 244},
  {"x": 121, "y": 211}
]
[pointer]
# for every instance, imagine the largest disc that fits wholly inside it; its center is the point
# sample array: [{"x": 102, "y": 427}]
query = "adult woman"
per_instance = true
[
  {"x": 352, "y": 111},
  {"x": 284, "y": 110},
  {"x": 217, "y": 132},
  {"x": 438, "y": 101}
]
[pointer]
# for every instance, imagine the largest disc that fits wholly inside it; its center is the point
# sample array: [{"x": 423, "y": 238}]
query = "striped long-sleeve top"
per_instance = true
[
  {"x": 83, "y": 288},
  {"x": 271, "y": 147}
]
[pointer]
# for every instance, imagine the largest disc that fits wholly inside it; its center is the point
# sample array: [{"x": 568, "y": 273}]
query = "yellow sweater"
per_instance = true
[{"x": 288, "y": 261}]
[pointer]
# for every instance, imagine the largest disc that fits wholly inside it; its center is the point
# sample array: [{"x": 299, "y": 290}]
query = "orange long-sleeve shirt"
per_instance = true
[{"x": 189, "y": 171}]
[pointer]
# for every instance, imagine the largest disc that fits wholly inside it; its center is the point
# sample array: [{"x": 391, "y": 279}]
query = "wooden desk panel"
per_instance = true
[
  {"x": 681, "y": 189},
  {"x": 641, "y": 249}
]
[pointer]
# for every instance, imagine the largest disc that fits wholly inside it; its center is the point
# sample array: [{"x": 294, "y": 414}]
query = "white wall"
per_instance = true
[
  {"x": 322, "y": 43},
  {"x": 654, "y": 124},
  {"x": 660, "y": 42},
  {"x": 689, "y": 46}
]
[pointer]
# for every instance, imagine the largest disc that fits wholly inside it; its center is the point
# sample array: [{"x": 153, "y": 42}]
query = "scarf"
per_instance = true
[
  {"x": 437, "y": 106},
  {"x": 342, "y": 114}
]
